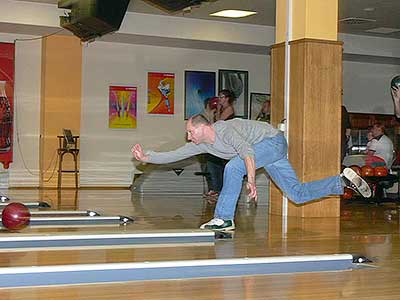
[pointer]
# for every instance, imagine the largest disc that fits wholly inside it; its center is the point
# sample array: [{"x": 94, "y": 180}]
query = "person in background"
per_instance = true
[
  {"x": 225, "y": 110},
  {"x": 380, "y": 148},
  {"x": 215, "y": 166},
  {"x": 370, "y": 137},
  {"x": 210, "y": 107},
  {"x": 371, "y": 159}
]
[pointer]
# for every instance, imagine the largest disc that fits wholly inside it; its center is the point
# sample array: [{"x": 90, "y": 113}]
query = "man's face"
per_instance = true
[
  {"x": 376, "y": 131},
  {"x": 194, "y": 133}
]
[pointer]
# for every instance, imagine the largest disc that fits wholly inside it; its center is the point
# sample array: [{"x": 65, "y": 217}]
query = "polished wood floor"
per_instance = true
[{"x": 363, "y": 228}]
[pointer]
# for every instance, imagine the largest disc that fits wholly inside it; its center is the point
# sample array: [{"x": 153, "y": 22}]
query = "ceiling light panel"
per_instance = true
[{"x": 232, "y": 13}]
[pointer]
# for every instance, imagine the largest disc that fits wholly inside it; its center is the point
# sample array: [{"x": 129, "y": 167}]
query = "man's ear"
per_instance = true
[{"x": 203, "y": 127}]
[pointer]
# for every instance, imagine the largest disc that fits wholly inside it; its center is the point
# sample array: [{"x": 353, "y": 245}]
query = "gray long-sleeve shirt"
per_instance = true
[{"x": 232, "y": 138}]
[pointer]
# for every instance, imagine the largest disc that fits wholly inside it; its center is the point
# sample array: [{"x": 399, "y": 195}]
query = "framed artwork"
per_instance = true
[
  {"x": 260, "y": 107},
  {"x": 122, "y": 106},
  {"x": 160, "y": 93},
  {"x": 199, "y": 85},
  {"x": 238, "y": 82},
  {"x": 7, "y": 78}
]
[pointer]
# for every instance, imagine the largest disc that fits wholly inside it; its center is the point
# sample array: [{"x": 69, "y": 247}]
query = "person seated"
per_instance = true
[{"x": 379, "y": 148}]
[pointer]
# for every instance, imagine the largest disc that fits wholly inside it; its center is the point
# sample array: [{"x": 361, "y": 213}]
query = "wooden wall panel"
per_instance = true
[
  {"x": 315, "y": 117},
  {"x": 60, "y": 103}
]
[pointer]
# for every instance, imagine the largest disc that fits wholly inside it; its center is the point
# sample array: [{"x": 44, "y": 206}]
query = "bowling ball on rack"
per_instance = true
[
  {"x": 15, "y": 216},
  {"x": 367, "y": 171},
  {"x": 395, "y": 81},
  {"x": 380, "y": 171},
  {"x": 348, "y": 193}
]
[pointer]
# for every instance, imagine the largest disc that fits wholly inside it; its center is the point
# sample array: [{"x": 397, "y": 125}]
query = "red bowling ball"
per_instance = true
[
  {"x": 367, "y": 171},
  {"x": 380, "y": 171},
  {"x": 348, "y": 193},
  {"x": 15, "y": 216}
]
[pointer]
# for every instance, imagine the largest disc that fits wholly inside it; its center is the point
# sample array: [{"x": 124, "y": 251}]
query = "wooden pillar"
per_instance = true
[
  {"x": 315, "y": 98},
  {"x": 60, "y": 103}
]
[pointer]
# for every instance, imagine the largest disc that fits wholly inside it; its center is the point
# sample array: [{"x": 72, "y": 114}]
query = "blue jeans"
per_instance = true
[{"x": 271, "y": 154}]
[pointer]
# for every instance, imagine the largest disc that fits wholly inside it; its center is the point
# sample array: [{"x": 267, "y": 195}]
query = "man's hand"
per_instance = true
[
  {"x": 251, "y": 177},
  {"x": 138, "y": 153},
  {"x": 252, "y": 190}
]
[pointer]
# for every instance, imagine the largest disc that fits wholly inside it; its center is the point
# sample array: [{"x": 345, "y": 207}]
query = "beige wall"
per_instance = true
[{"x": 105, "y": 153}]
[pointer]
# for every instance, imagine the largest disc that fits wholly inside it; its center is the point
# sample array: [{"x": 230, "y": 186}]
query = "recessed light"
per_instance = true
[
  {"x": 369, "y": 9},
  {"x": 233, "y": 13}
]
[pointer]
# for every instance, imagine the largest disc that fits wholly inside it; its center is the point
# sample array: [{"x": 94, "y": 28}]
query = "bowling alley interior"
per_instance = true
[{"x": 84, "y": 82}]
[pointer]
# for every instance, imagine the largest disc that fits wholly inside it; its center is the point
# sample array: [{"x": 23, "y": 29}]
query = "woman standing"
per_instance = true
[
  {"x": 216, "y": 165},
  {"x": 225, "y": 110}
]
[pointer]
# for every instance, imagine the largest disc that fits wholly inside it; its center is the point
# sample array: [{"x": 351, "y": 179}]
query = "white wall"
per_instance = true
[
  {"x": 370, "y": 45},
  {"x": 105, "y": 153},
  {"x": 24, "y": 171},
  {"x": 366, "y": 87}
]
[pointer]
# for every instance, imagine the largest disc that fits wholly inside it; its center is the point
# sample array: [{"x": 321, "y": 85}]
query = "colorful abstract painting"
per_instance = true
[
  {"x": 122, "y": 106},
  {"x": 7, "y": 51},
  {"x": 161, "y": 93},
  {"x": 199, "y": 86}
]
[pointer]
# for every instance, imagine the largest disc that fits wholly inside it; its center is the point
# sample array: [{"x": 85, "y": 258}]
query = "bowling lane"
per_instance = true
[
  {"x": 153, "y": 213},
  {"x": 251, "y": 239},
  {"x": 257, "y": 235}
]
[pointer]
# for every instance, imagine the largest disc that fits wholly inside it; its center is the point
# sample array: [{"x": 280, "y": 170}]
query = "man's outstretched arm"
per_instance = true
[{"x": 186, "y": 151}]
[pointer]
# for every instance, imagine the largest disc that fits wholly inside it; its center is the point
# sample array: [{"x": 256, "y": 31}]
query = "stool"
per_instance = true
[{"x": 64, "y": 148}]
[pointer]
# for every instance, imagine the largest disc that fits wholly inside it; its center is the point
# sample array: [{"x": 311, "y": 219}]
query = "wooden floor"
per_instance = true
[{"x": 364, "y": 229}]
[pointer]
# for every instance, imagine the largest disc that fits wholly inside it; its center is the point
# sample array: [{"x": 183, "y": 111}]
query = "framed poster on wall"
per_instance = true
[
  {"x": 260, "y": 107},
  {"x": 7, "y": 54},
  {"x": 238, "y": 82},
  {"x": 122, "y": 106},
  {"x": 160, "y": 93},
  {"x": 199, "y": 86}
]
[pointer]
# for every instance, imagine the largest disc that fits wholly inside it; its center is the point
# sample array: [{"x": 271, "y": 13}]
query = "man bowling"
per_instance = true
[{"x": 249, "y": 145}]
